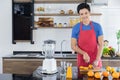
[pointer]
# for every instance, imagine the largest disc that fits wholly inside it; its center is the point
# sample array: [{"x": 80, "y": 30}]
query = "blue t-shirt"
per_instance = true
[{"x": 76, "y": 29}]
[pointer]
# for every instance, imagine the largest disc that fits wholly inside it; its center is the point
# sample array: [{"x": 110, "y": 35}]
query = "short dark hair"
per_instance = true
[
  {"x": 82, "y": 6},
  {"x": 106, "y": 41}
]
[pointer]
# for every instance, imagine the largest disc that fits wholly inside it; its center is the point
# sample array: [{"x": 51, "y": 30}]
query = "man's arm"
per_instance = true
[
  {"x": 99, "y": 53},
  {"x": 100, "y": 47},
  {"x": 75, "y": 47}
]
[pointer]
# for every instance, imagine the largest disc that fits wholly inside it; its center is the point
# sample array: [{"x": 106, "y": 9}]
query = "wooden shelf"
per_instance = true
[
  {"x": 22, "y": 1},
  {"x": 55, "y": 14},
  {"x": 37, "y": 26},
  {"x": 61, "y": 1},
  {"x": 54, "y": 27},
  {"x": 44, "y": 14}
]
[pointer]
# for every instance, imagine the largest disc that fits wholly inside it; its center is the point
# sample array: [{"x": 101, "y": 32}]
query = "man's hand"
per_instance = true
[
  {"x": 86, "y": 57},
  {"x": 95, "y": 63}
]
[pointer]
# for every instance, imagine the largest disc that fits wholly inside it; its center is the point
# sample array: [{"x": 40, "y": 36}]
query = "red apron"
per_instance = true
[{"x": 88, "y": 43}]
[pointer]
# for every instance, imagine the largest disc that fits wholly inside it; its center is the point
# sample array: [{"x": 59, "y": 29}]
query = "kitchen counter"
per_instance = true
[
  {"x": 57, "y": 56},
  {"x": 111, "y": 58},
  {"x": 37, "y": 75},
  {"x": 27, "y": 63},
  {"x": 39, "y": 55}
]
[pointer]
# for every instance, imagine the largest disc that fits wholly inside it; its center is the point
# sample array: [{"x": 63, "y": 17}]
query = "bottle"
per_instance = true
[{"x": 69, "y": 71}]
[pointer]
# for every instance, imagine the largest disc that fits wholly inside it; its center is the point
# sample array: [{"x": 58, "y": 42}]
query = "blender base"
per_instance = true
[{"x": 49, "y": 66}]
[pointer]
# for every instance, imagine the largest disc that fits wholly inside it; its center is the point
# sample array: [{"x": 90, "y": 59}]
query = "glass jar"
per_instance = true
[
  {"x": 60, "y": 25},
  {"x": 55, "y": 24},
  {"x": 65, "y": 25}
]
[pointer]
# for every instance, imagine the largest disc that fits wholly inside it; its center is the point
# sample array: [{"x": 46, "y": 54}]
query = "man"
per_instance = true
[{"x": 87, "y": 39}]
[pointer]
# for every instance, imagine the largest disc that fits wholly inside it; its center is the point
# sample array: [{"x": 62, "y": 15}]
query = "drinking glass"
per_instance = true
[{"x": 62, "y": 68}]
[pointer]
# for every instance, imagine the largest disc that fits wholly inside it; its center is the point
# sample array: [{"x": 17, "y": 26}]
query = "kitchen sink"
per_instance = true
[
  {"x": 26, "y": 55},
  {"x": 40, "y": 55},
  {"x": 70, "y": 55},
  {"x": 65, "y": 55},
  {"x": 34, "y": 55},
  {"x": 20, "y": 55}
]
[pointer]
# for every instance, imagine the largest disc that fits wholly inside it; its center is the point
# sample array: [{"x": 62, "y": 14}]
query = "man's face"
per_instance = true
[{"x": 84, "y": 14}]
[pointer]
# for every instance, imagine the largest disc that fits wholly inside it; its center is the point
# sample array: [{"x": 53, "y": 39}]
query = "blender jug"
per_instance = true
[
  {"x": 49, "y": 63},
  {"x": 49, "y": 48}
]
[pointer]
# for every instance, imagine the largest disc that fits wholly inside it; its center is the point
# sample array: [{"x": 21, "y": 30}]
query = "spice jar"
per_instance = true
[
  {"x": 60, "y": 25},
  {"x": 55, "y": 24},
  {"x": 65, "y": 25}
]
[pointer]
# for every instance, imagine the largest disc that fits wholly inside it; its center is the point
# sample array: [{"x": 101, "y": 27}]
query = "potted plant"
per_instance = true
[
  {"x": 108, "y": 51},
  {"x": 105, "y": 51}
]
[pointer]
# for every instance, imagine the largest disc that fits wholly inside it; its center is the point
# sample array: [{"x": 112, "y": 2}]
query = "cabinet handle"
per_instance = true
[
  {"x": 31, "y": 14},
  {"x": 33, "y": 28}
]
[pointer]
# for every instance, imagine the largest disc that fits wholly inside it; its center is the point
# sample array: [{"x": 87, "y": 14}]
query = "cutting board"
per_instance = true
[{"x": 96, "y": 69}]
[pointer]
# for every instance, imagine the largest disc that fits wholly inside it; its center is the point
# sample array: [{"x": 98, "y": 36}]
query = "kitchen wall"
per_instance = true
[{"x": 109, "y": 21}]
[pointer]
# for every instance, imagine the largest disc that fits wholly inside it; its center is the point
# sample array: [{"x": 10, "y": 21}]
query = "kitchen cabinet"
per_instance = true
[
  {"x": 42, "y": 12},
  {"x": 27, "y": 65},
  {"x": 20, "y": 66},
  {"x": 111, "y": 62},
  {"x": 22, "y": 20}
]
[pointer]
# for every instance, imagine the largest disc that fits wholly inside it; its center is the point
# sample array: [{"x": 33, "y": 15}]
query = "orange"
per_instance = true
[
  {"x": 97, "y": 75},
  {"x": 85, "y": 68},
  {"x": 112, "y": 70},
  {"x": 90, "y": 73},
  {"x": 81, "y": 67},
  {"x": 90, "y": 66},
  {"x": 115, "y": 75},
  {"x": 108, "y": 68},
  {"x": 105, "y": 73}
]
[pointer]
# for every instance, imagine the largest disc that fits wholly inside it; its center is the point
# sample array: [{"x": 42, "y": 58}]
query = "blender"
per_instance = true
[{"x": 49, "y": 65}]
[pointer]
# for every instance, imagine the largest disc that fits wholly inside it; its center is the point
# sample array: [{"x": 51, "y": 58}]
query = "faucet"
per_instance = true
[{"x": 62, "y": 47}]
